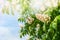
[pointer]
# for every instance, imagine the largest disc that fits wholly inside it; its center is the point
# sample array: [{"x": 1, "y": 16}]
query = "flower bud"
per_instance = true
[{"x": 37, "y": 27}]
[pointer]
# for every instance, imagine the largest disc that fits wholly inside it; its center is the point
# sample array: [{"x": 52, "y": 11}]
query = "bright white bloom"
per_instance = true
[
  {"x": 21, "y": 25},
  {"x": 51, "y": 3},
  {"x": 55, "y": 3},
  {"x": 30, "y": 20},
  {"x": 43, "y": 17}
]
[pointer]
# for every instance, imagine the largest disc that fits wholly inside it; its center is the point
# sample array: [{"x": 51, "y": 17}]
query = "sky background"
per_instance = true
[{"x": 9, "y": 28}]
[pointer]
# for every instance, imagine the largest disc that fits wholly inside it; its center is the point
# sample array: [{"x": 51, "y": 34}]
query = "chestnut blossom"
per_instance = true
[
  {"x": 43, "y": 17},
  {"x": 30, "y": 20}
]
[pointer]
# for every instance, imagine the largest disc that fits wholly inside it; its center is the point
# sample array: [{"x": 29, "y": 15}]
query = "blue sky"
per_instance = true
[{"x": 9, "y": 28}]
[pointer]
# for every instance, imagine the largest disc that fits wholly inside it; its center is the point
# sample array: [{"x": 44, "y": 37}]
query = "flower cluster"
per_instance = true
[
  {"x": 30, "y": 20},
  {"x": 43, "y": 17}
]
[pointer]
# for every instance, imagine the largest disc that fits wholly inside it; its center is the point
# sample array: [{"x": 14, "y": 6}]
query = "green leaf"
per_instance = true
[{"x": 9, "y": 0}]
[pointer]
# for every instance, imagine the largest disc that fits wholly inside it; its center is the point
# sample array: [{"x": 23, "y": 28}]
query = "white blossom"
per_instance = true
[
  {"x": 30, "y": 20},
  {"x": 21, "y": 25},
  {"x": 43, "y": 17}
]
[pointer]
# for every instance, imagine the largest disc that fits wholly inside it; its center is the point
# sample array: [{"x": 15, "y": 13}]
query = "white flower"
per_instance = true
[
  {"x": 43, "y": 17},
  {"x": 21, "y": 25},
  {"x": 30, "y": 20}
]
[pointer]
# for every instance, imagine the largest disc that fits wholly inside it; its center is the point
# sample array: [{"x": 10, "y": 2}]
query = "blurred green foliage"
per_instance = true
[
  {"x": 50, "y": 31},
  {"x": 35, "y": 28}
]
